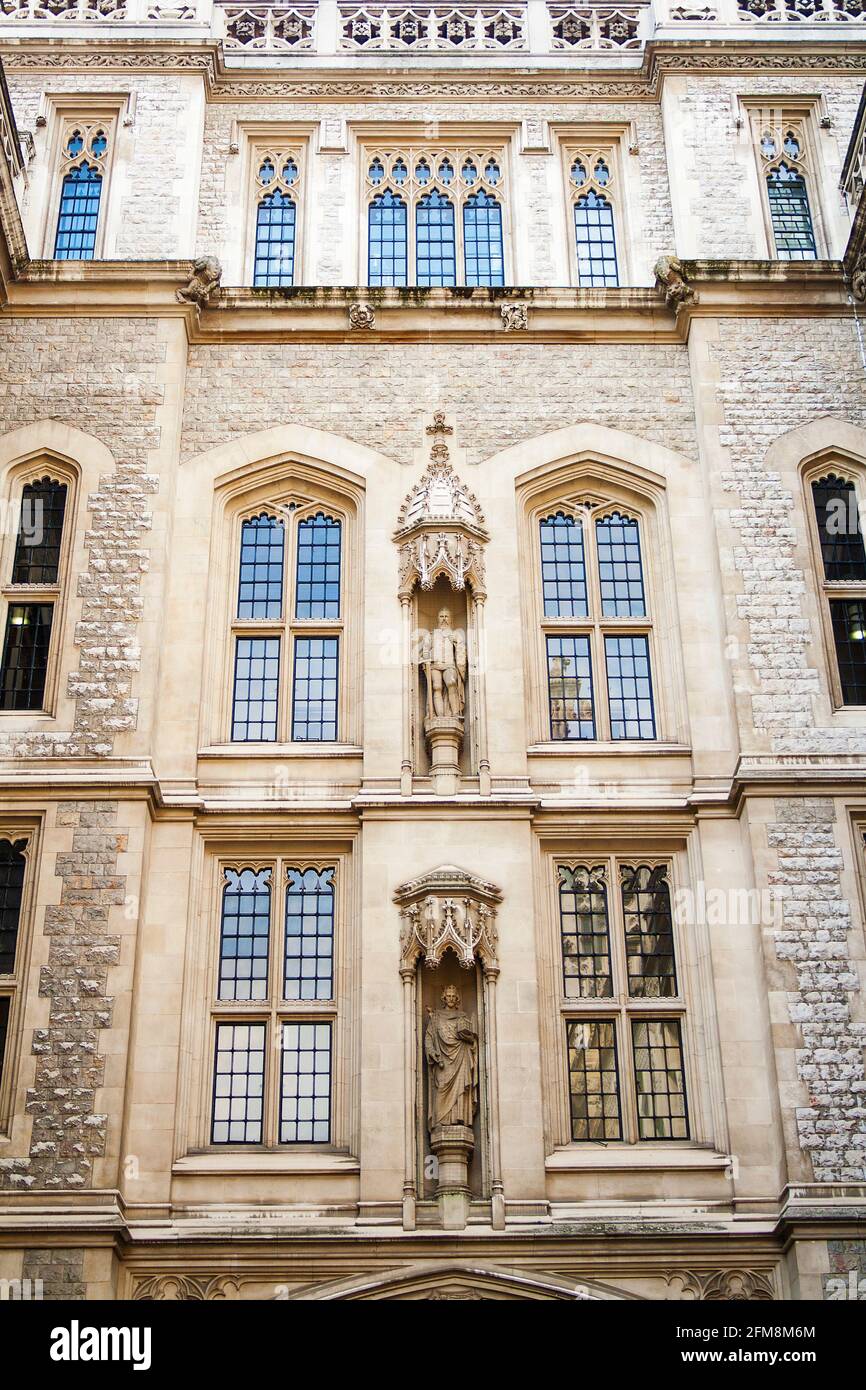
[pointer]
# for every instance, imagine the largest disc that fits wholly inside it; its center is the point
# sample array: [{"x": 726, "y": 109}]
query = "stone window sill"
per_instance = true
[
  {"x": 609, "y": 1157},
  {"x": 281, "y": 750},
  {"x": 232, "y": 1161}
]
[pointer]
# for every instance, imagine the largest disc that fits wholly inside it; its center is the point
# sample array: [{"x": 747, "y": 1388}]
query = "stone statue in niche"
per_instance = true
[
  {"x": 443, "y": 657},
  {"x": 451, "y": 1049}
]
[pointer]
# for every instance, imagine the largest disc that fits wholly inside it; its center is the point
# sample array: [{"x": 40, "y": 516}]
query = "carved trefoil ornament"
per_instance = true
[
  {"x": 362, "y": 315},
  {"x": 448, "y": 909}
]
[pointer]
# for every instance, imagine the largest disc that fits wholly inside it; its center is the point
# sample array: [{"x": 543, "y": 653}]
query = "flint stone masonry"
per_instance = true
[
  {"x": 771, "y": 383},
  {"x": 61, "y": 1272},
  {"x": 814, "y": 939},
  {"x": 67, "y": 1132},
  {"x": 112, "y": 394},
  {"x": 643, "y": 389}
]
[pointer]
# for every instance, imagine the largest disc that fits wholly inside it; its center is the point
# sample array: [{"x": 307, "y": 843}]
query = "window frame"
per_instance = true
[
  {"x": 589, "y": 143},
  {"x": 830, "y": 590},
  {"x": 275, "y": 1010},
  {"x": 412, "y": 146},
  {"x": 777, "y": 117},
  {"x": 34, "y": 469},
  {"x": 595, "y": 625},
  {"x": 288, "y": 628},
  {"x": 13, "y": 986},
  {"x": 68, "y": 113},
  {"x": 620, "y": 1007},
  {"x": 278, "y": 149}
]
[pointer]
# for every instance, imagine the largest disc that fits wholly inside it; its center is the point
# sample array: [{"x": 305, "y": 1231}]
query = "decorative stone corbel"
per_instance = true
[
  {"x": 203, "y": 283},
  {"x": 671, "y": 278}
]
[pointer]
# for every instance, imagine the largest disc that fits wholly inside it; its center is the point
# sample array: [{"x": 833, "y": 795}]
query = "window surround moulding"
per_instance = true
[
  {"x": 619, "y": 138},
  {"x": 17, "y": 826},
  {"x": 848, "y": 468},
  {"x": 90, "y": 108},
  {"x": 260, "y": 137},
  {"x": 809, "y": 112}
]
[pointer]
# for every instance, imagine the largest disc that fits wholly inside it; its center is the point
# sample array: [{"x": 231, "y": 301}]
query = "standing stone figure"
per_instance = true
[
  {"x": 451, "y": 1049},
  {"x": 443, "y": 656}
]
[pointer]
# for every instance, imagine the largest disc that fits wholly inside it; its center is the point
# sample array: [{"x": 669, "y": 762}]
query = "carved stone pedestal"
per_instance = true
[
  {"x": 453, "y": 1145},
  {"x": 444, "y": 736}
]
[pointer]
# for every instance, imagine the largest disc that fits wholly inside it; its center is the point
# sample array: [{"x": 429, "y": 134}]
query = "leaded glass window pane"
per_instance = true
[
  {"x": 318, "y": 579},
  {"x": 791, "y": 215},
  {"x": 595, "y": 240},
  {"x": 12, "y": 864},
  {"x": 585, "y": 934},
  {"x": 649, "y": 932},
  {"x": 260, "y": 589},
  {"x": 849, "y": 634},
  {"x": 593, "y": 1080},
  {"x": 309, "y": 968},
  {"x": 275, "y": 240},
  {"x": 314, "y": 705},
  {"x": 660, "y": 1079},
  {"x": 305, "y": 1084},
  {"x": 40, "y": 533},
  {"x": 246, "y": 915},
  {"x": 619, "y": 567},
  {"x": 239, "y": 1083},
  {"x": 569, "y": 683},
  {"x": 256, "y": 690},
  {"x": 629, "y": 687},
  {"x": 387, "y": 240},
  {"x": 435, "y": 248},
  {"x": 25, "y": 655},
  {"x": 482, "y": 240},
  {"x": 563, "y": 567},
  {"x": 79, "y": 215},
  {"x": 5, "y": 1003},
  {"x": 838, "y": 521}
]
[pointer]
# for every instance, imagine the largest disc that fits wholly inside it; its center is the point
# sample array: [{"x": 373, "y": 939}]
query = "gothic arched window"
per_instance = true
[
  {"x": 591, "y": 185},
  {"x": 276, "y": 190},
  {"x": 83, "y": 166},
  {"x": 455, "y": 234},
  {"x": 842, "y": 576},
  {"x": 33, "y": 595},
  {"x": 784, "y": 155}
]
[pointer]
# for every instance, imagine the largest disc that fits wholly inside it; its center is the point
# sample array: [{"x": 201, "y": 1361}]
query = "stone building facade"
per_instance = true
[{"x": 418, "y": 433}]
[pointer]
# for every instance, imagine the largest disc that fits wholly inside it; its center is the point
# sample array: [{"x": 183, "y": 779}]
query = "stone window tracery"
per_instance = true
[
  {"x": 85, "y": 152},
  {"x": 274, "y": 1013},
  {"x": 593, "y": 194},
  {"x": 276, "y": 193},
  {"x": 623, "y": 1003},
  {"x": 288, "y": 626},
  {"x": 435, "y": 216},
  {"x": 595, "y": 624},
  {"x": 786, "y": 174}
]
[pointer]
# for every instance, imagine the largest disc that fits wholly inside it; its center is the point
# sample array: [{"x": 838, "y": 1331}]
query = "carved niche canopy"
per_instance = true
[
  {"x": 440, "y": 529},
  {"x": 448, "y": 909}
]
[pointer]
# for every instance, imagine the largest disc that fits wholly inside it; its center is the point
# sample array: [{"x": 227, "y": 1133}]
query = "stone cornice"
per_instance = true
[{"x": 392, "y": 79}]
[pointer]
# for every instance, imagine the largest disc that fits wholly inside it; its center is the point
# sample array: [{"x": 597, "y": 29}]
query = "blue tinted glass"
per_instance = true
[
  {"x": 619, "y": 567},
  {"x": 387, "y": 250},
  {"x": 260, "y": 591},
  {"x": 318, "y": 576},
  {"x": 244, "y": 932},
  {"x": 563, "y": 569},
  {"x": 629, "y": 687},
  {"x": 309, "y": 965},
  {"x": 482, "y": 240},
  {"x": 790, "y": 215},
  {"x": 275, "y": 240},
  {"x": 569, "y": 684},
  {"x": 314, "y": 693},
  {"x": 436, "y": 256},
  {"x": 79, "y": 215},
  {"x": 257, "y": 679},
  {"x": 595, "y": 241}
]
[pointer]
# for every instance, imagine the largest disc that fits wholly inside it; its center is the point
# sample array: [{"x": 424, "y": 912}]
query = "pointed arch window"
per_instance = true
[
  {"x": 33, "y": 594},
  {"x": 842, "y": 573},
  {"x": 288, "y": 627},
  {"x": 275, "y": 998},
  {"x": 13, "y": 865},
  {"x": 596, "y": 626},
  {"x": 624, "y": 1007},
  {"x": 592, "y": 183},
  {"x": 276, "y": 194},
  {"x": 84, "y": 161},
  {"x": 786, "y": 171},
  {"x": 455, "y": 232}
]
